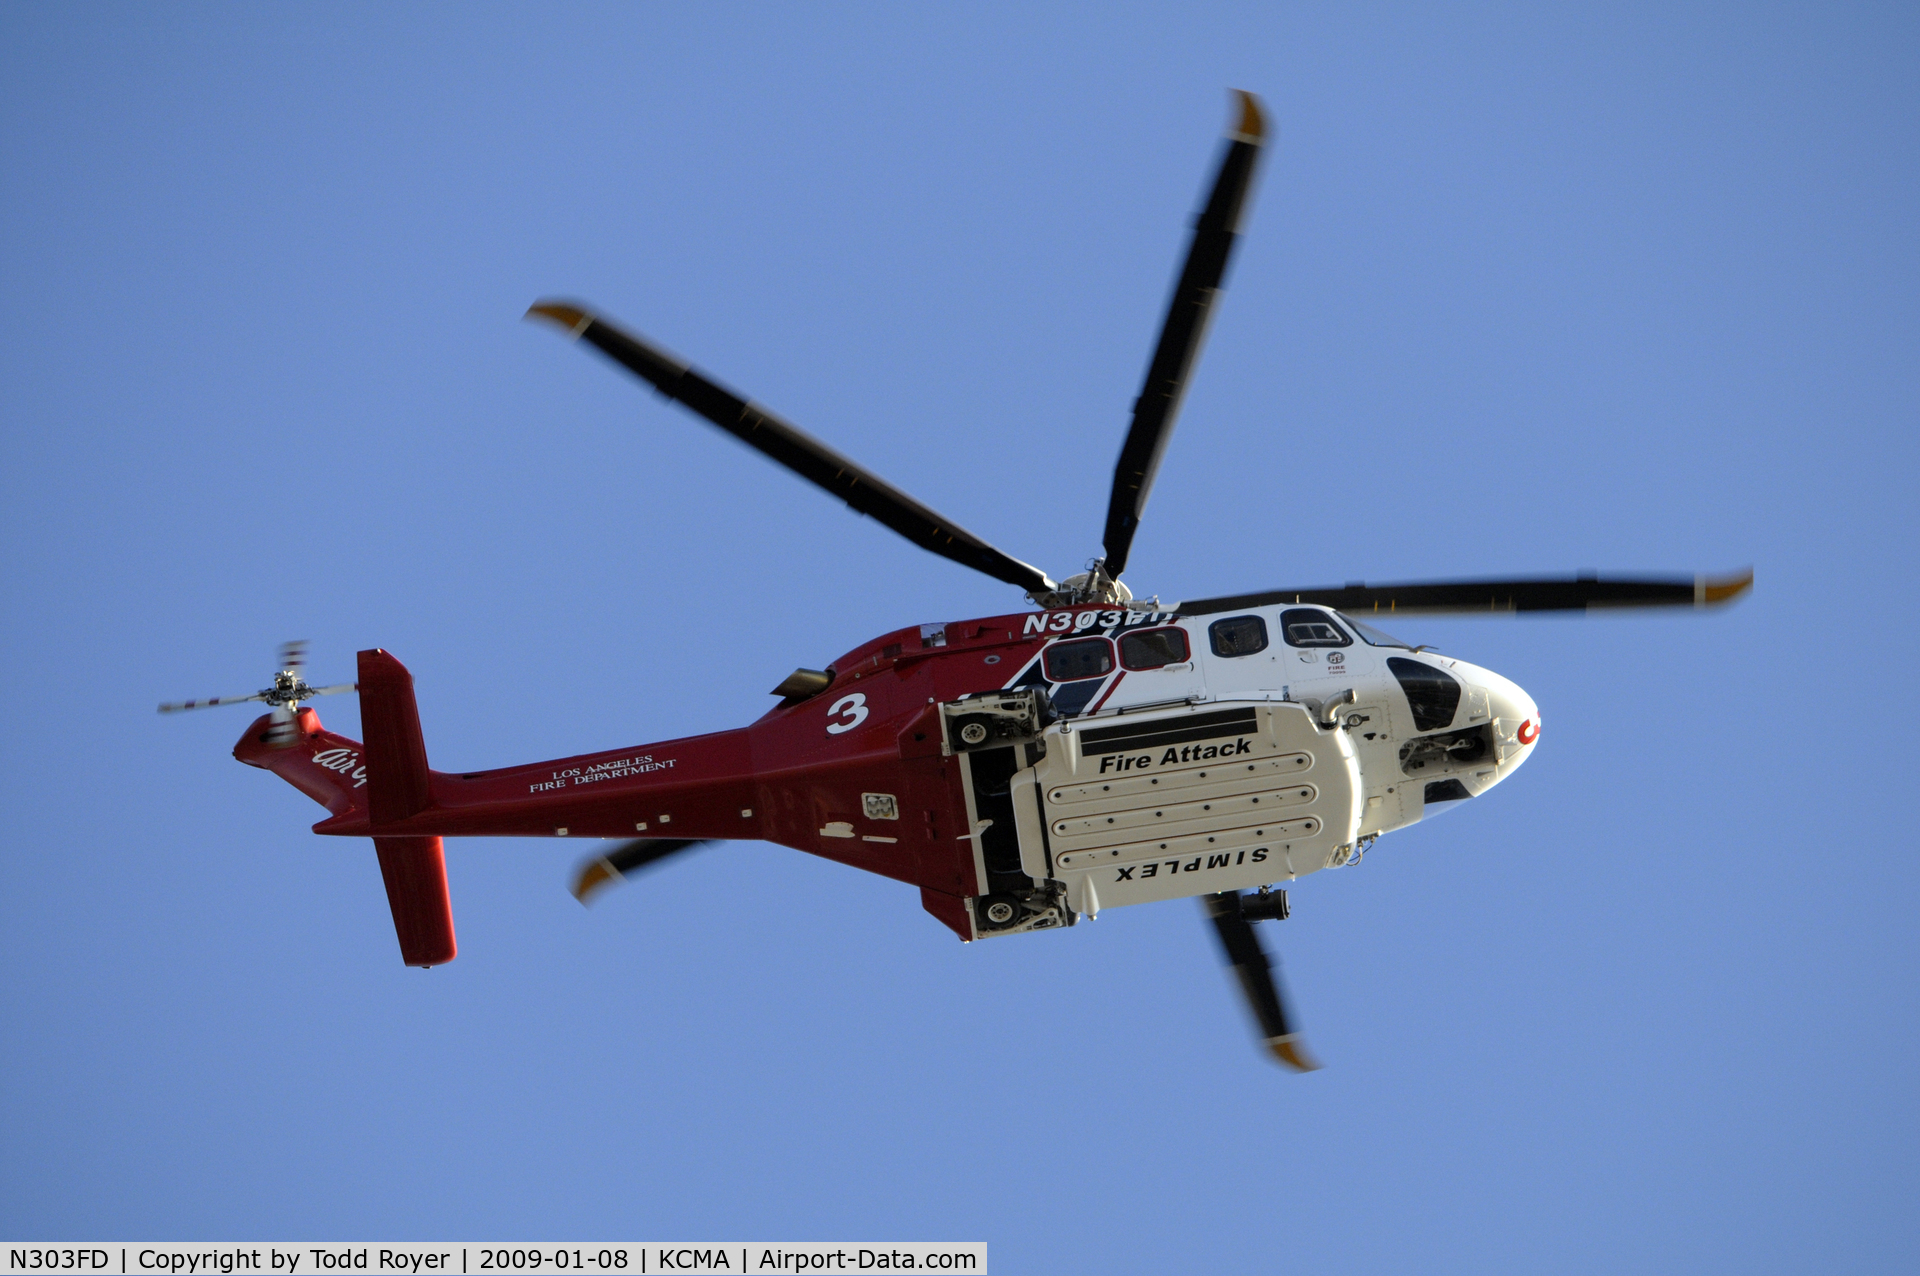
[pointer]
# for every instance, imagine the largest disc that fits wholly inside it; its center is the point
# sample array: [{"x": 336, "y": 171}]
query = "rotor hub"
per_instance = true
[{"x": 1090, "y": 586}]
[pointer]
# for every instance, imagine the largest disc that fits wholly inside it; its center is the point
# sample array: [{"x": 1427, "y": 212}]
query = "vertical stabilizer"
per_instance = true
[
  {"x": 415, "y": 870},
  {"x": 396, "y": 755}
]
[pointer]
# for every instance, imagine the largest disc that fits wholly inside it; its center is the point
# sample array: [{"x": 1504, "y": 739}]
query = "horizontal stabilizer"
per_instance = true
[{"x": 415, "y": 869}]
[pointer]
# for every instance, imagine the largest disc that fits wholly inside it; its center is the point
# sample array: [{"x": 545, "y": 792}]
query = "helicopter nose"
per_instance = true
[{"x": 1516, "y": 722}]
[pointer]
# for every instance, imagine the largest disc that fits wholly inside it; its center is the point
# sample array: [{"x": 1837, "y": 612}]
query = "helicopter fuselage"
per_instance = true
[{"x": 1023, "y": 771}]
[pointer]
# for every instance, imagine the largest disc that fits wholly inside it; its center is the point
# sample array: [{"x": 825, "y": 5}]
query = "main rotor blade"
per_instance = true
[
  {"x": 1182, "y": 333},
  {"x": 1583, "y": 593},
  {"x": 625, "y": 860},
  {"x": 792, "y": 447},
  {"x": 1257, "y": 980}
]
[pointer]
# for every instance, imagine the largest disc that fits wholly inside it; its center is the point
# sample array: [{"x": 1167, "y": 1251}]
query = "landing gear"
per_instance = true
[
  {"x": 1016, "y": 912},
  {"x": 999, "y": 911},
  {"x": 994, "y": 719}
]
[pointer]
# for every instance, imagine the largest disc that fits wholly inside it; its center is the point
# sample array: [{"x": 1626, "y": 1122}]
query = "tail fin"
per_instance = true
[
  {"x": 386, "y": 778},
  {"x": 397, "y": 781},
  {"x": 415, "y": 870}
]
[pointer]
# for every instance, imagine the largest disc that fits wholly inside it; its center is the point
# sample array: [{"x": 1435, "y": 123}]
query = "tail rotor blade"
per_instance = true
[
  {"x": 181, "y": 706},
  {"x": 623, "y": 861},
  {"x": 283, "y": 728},
  {"x": 1257, "y": 980},
  {"x": 1182, "y": 333},
  {"x": 293, "y": 655}
]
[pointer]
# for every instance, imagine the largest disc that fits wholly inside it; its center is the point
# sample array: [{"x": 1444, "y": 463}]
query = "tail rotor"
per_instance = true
[{"x": 289, "y": 689}]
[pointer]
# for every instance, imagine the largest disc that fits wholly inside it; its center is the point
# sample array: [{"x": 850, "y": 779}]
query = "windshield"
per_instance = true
[{"x": 1373, "y": 636}]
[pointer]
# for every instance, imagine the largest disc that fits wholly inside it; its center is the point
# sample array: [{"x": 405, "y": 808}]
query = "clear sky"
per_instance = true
[{"x": 1628, "y": 288}]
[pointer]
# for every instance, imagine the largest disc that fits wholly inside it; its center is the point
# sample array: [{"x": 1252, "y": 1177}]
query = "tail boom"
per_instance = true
[{"x": 329, "y": 768}]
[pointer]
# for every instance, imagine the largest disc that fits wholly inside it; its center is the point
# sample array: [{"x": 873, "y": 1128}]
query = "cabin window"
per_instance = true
[
  {"x": 1081, "y": 658},
  {"x": 1238, "y": 636},
  {"x": 1311, "y": 627},
  {"x": 1153, "y": 648},
  {"x": 1432, "y": 694}
]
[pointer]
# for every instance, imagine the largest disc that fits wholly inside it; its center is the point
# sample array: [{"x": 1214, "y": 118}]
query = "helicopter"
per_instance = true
[{"x": 1022, "y": 771}]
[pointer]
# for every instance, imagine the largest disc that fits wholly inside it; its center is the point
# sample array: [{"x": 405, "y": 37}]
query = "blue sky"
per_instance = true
[{"x": 1626, "y": 289}]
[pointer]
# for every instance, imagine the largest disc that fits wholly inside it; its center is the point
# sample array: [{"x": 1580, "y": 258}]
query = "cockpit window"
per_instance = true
[
  {"x": 1311, "y": 627},
  {"x": 1238, "y": 636},
  {"x": 1372, "y": 636},
  {"x": 1081, "y": 658},
  {"x": 1153, "y": 648},
  {"x": 1433, "y": 694}
]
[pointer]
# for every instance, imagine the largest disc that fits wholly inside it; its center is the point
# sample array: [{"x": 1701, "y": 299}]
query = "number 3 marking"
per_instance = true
[{"x": 853, "y": 707}]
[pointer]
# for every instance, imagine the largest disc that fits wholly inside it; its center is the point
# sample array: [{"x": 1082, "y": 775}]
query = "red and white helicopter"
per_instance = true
[{"x": 1023, "y": 771}]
